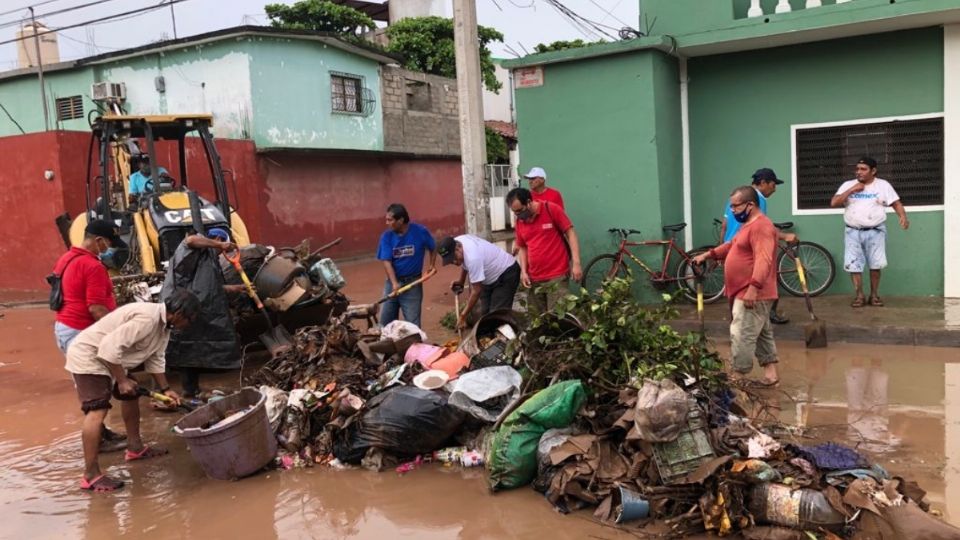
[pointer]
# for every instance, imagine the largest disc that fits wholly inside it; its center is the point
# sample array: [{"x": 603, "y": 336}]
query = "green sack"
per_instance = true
[{"x": 512, "y": 450}]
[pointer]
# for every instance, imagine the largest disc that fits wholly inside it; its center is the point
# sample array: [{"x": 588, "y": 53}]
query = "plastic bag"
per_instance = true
[
  {"x": 276, "y": 404},
  {"x": 404, "y": 421},
  {"x": 512, "y": 459},
  {"x": 550, "y": 439},
  {"x": 398, "y": 330},
  {"x": 485, "y": 393},
  {"x": 661, "y": 411}
]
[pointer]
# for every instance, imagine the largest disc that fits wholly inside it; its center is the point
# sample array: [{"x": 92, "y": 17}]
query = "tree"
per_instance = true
[
  {"x": 562, "y": 45},
  {"x": 426, "y": 43},
  {"x": 319, "y": 16},
  {"x": 497, "y": 151}
]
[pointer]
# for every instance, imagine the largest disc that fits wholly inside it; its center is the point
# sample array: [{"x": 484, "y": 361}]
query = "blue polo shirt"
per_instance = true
[
  {"x": 406, "y": 251},
  {"x": 138, "y": 182},
  {"x": 732, "y": 224}
]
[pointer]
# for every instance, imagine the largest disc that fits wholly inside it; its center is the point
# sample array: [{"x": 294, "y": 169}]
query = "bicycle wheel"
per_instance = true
[
  {"x": 818, "y": 267},
  {"x": 600, "y": 269},
  {"x": 712, "y": 279}
]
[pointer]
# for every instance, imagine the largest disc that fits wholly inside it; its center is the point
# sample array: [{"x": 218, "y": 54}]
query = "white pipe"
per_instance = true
[{"x": 685, "y": 135}]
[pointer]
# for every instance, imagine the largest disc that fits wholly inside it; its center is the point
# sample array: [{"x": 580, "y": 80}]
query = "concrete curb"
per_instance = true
[{"x": 878, "y": 335}]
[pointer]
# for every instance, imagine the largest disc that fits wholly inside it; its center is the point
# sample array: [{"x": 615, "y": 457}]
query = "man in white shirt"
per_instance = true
[
  {"x": 865, "y": 201},
  {"x": 494, "y": 274}
]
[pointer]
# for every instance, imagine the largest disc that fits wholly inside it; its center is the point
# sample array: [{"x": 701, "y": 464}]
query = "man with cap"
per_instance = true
[
  {"x": 87, "y": 294},
  {"x": 865, "y": 200},
  {"x": 538, "y": 187},
  {"x": 141, "y": 181},
  {"x": 494, "y": 274},
  {"x": 765, "y": 182},
  {"x": 211, "y": 343}
]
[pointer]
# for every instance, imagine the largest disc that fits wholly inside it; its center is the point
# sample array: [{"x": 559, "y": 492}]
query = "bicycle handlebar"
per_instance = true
[{"x": 623, "y": 232}]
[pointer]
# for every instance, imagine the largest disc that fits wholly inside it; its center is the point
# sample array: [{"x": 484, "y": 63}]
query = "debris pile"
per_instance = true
[{"x": 598, "y": 404}]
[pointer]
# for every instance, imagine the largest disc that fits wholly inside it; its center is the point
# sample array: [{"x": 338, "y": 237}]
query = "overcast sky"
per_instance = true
[{"x": 524, "y": 23}]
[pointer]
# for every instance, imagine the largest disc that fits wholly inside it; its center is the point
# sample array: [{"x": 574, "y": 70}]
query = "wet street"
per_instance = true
[{"x": 898, "y": 404}]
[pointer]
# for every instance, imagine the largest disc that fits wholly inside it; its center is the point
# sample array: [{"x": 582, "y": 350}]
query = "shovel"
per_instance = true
[
  {"x": 456, "y": 307},
  {"x": 277, "y": 340},
  {"x": 406, "y": 287},
  {"x": 815, "y": 332}
]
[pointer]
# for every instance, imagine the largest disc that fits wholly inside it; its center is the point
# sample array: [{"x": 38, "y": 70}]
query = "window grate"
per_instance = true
[
  {"x": 346, "y": 93},
  {"x": 909, "y": 154},
  {"x": 69, "y": 108}
]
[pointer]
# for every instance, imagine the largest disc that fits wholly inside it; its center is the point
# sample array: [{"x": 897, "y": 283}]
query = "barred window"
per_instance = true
[
  {"x": 909, "y": 154},
  {"x": 346, "y": 93},
  {"x": 69, "y": 108}
]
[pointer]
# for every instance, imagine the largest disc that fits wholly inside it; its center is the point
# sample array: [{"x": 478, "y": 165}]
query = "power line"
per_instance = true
[
  {"x": 116, "y": 16},
  {"x": 609, "y": 13},
  {"x": 597, "y": 29},
  {"x": 51, "y": 13},
  {"x": 24, "y": 8}
]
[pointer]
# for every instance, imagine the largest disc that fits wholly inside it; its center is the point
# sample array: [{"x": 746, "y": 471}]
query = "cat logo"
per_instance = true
[{"x": 180, "y": 216}]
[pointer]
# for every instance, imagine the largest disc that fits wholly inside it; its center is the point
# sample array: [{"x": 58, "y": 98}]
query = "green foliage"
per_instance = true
[
  {"x": 449, "y": 320},
  {"x": 621, "y": 341},
  {"x": 497, "y": 151},
  {"x": 320, "y": 16},
  {"x": 562, "y": 45},
  {"x": 426, "y": 43}
]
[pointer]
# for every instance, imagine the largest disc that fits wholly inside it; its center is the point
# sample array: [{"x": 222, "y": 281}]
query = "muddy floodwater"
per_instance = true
[{"x": 899, "y": 404}]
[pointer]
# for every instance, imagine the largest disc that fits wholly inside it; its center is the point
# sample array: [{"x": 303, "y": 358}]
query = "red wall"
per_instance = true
[
  {"x": 322, "y": 197},
  {"x": 282, "y": 197}
]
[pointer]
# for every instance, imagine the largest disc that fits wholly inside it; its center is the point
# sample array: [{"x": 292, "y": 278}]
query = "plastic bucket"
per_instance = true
[
  {"x": 234, "y": 449},
  {"x": 629, "y": 505}
]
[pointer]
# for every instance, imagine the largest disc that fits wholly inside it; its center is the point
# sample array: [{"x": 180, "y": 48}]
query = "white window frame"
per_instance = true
[{"x": 835, "y": 211}]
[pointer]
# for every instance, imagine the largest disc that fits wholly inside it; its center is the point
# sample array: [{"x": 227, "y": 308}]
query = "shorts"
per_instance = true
[
  {"x": 95, "y": 391},
  {"x": 64, "y": 335},
  {"x": 865, "y": 248}
]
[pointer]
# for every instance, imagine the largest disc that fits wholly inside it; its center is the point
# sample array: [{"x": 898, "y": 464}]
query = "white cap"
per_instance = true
[{"x": 536, "y": 172}]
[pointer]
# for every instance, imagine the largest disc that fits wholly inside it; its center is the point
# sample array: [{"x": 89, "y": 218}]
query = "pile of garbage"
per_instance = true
[{"x": 598, "y": 404}]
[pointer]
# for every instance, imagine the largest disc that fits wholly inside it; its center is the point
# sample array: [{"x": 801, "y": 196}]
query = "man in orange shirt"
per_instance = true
[{"x": 750, "y": 278}]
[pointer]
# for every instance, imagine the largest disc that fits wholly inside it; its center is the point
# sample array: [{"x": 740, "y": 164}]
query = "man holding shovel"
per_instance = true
[
  {"x": 402, "y": 250},
  {"x": 494, "y": 274},
  {"x": 99, "y": 360},
  {"x": 750, "y": 279}
]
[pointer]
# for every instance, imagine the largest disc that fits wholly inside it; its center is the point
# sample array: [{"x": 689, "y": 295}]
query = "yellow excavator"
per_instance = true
[{"x": 155, "y": 222}]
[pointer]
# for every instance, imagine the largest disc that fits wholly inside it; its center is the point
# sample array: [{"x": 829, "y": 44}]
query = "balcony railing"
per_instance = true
[{"x": 783, "y": 6}]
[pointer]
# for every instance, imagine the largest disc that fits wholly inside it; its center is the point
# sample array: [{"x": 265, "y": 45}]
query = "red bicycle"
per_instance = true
[{"x": 610, "y": 265}]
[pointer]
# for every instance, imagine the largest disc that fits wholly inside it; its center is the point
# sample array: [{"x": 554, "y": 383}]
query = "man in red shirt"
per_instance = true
[
  {"x": 538, "y": 187},
  {"x": 750, "y": 278},
  {"x": 547, "y": 243},
  {"x": 88, "y": 295}
]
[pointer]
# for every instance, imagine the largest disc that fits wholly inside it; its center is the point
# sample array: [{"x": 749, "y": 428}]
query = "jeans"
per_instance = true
[
  {"x": 409, "y": 303},
  {"x": 500, "y": 293},
  {"x": 64, "y": 335},
  {"x": 751, "y": 334}
]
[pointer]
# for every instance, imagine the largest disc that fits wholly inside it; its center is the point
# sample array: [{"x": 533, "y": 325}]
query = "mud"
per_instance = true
[{"x": 899, "y": 404}]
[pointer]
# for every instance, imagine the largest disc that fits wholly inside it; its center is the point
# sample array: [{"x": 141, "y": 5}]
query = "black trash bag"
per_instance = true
[{"x": 404, "y": 421}]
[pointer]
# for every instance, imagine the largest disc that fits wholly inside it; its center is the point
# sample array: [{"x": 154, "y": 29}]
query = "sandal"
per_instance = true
[
  {"x": 100, "y": 484},
  {"x": 858, "y": 302},
  {"x": 876, "y": 301},
  {"x": 146, "y": 452}
]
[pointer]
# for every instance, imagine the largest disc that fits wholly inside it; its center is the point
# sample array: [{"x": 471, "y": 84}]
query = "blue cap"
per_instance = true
[{"x": 218, "y": 233}]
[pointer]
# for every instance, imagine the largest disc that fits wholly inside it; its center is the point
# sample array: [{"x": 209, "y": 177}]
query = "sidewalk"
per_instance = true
[{"x": 933, "y": 322}]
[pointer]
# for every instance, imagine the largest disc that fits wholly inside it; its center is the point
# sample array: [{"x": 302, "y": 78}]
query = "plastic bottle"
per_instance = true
[{"x": 800, "y": 509}]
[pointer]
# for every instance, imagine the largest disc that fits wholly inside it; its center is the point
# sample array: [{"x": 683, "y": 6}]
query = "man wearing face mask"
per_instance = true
[
  {"x": 750, "y": 278},
  {"x": 142, "y": 180},
  {"x": 549, "y": 249},
  {"x": 88, "y": 295}
]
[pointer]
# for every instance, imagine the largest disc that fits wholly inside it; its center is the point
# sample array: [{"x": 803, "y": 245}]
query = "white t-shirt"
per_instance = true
[
  {"x": 868, "y": 208},
  {"x": 483, "y": 261}
]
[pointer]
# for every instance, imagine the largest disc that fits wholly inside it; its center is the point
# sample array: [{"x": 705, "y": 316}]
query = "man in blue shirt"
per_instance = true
[
  {"x": 765, "y": 181},
  {"x": 139, "y": 180},
  {"x": 402, "y": 249}
]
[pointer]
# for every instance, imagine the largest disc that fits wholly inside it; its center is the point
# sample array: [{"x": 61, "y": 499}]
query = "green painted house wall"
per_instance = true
[
  {"x": 290, "y": 81},
  {"x": 21, "y": 98},
  {"x": 742, "y": 107},
  {"x": 607, "y": 132}
]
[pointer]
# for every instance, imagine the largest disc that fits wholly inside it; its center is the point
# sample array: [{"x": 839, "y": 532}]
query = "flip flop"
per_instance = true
[
  {"x": 100, "y": 484},
  {"x": 858, "y": 302},
  {"x": 768, "y": 382},
  {"x": 146, "y": 453},
  {"x": 876, "y": 301}
]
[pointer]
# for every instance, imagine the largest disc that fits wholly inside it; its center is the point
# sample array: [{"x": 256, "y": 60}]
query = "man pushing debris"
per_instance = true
[
  {"x": 100, "y": 358},
  {"x": 750, "y": 279}
]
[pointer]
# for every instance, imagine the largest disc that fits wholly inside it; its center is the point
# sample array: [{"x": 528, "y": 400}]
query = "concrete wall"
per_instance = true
[
  {"x": 291, "y": 96},
  {"x": 499, "y": 106},
  {"x": 323, "y": 197},
  {"x": 21, "y": 98},
  {"x": 434, "y": 129},
  {"x": 742, "y": 107}
]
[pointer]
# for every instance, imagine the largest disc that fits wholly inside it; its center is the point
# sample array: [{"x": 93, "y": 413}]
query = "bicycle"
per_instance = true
[
  {"x": 818, "y": 264},
  {"x": 609, "y": 265}
]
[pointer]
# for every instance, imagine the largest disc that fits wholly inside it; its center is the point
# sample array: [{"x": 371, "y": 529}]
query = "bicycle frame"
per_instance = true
[{"x": 669, "y": 247}]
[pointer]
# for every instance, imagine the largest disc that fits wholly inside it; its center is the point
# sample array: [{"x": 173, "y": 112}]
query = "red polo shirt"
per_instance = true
[
  {"x": 85, "y": 283},
  {"x": 550, "y": 195},
  {"x": 547, "y": 256}
]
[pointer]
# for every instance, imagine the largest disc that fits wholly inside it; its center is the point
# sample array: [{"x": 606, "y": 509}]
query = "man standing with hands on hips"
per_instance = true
[{"x": 865, "y": 201}]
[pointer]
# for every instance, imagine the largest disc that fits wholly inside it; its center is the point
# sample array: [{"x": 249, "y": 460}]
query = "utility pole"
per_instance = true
[
  {"x": 173, "y": 17},
  {"x": 473, "y": 142},
  {"x": 43, "y": 90}
]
